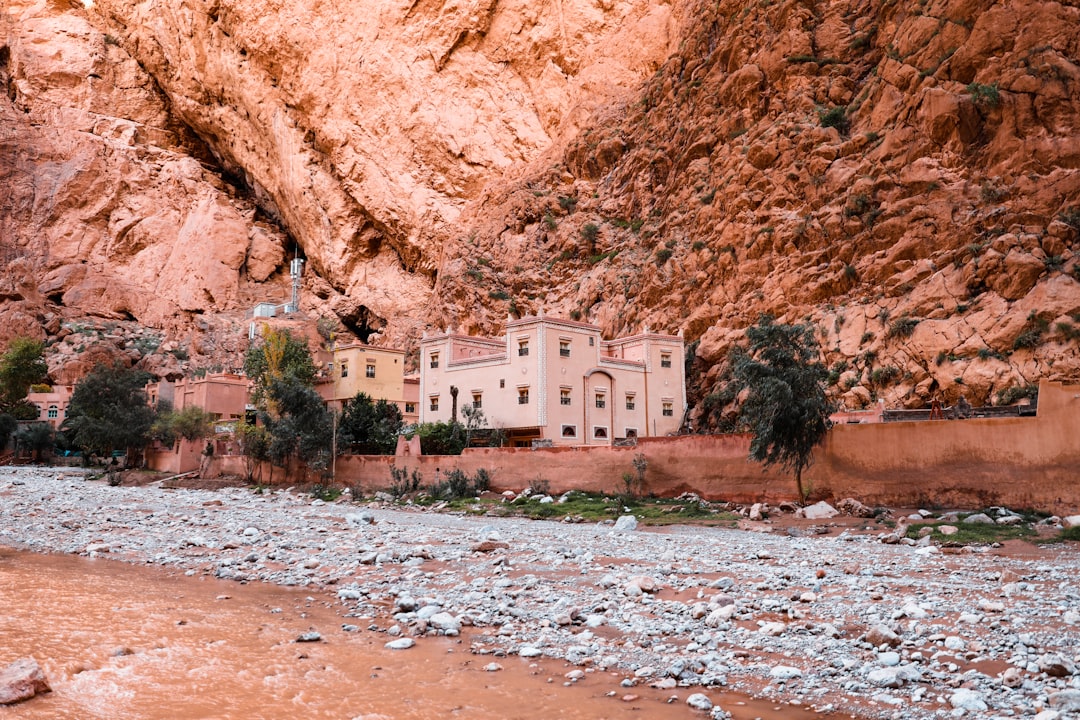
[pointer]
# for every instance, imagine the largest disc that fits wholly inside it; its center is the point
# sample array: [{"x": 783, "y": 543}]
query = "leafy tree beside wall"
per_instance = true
[
  {"x": 370, "y": 427},
  {"x": 786, "y": 407},
  {"x": 109, "y": 411},
  {"x": 300, "y": 429}
]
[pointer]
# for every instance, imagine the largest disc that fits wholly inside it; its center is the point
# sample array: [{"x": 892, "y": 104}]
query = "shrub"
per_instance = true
[
  {"x": 402, "y": 482},
  {"x": 885, "y": 375},
  {"x": 1010, "y": 395},
  {"x": 902, "y": 327},
  {"x": 834, "y": 117},
  {"x": 325, "y": 493},
  {"x": 539, "y": 486},
  {"x": 459, "y": 485},
  {"x": 590, "y": 232},
  {"x": 663, "y": 255},
  {"x": 984, "y": 96},
  {"x": 1071, "y": 217},
  {"x": 569, "y": 204},
  {"x": 1031, "y": 334},
  {"x": 499, "y": 295},
  {"x": 549, "y": 221}
]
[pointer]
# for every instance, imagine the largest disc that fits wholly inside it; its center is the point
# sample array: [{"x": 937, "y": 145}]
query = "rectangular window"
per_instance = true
[
  {"x": 599, "y": 433},
  {"x": 410, "y": 408},
  {"x": 564, "y": 348},
  {"x": 631, "y": 432},
  {"x": 564, "y": 396},
  {"x": 523, "y": 348},
  {"x": 53, "y": 411},
  {"x": 601, "y": 401},
  {"x": 669, "y": 410},
  {"x": 630, "y": 402},
  {"x": 523, "y": 396},
  {"x": 370, "y": 371},
  {"x": 434, "y": 403},
  {"x": 344, "y": 369},
  {"x": 434, "y": 360},
  {"x": 665, "y": 360},
  {"x": 477, "y": 401},
  {"x": 592, "y": 342},
  {"x": 502, "y": 383},
  {"x": 569, "y": 430}
]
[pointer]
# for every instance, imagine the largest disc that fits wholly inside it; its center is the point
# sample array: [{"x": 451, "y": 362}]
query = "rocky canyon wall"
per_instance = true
[{"x": 905, "y": 177}]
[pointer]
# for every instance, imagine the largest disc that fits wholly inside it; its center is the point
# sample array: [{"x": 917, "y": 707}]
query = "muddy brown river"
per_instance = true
[{"x": 121, "y": 641}]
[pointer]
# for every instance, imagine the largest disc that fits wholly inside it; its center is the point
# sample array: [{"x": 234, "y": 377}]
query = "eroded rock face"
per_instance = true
[
  {"x": 906, "y": 179},
  {"x": 109, "y": 208}
]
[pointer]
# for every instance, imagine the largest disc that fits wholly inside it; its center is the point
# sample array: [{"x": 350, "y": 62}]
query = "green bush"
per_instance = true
[
  {"x": 834, "y": 117},
  {"x": 1010, "y": 396},
  {"x": 984, "y": 96},
  {"x": 902, "y": 327},
  {"x": 1031, "y": 334}
]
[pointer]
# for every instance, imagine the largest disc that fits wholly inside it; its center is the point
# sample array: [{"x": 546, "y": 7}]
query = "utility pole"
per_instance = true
[{"x": 333, "y": 446}]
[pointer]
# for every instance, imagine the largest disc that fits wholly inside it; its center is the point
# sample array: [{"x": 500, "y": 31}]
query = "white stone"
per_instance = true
[
  {"x": 978, "y": 519},
  {"x": 445, "y": 621},
  {"x": 528, "y": 651},
  {"x": 626, "y": 523},
  {"x": 785, "y": 672},
  {"x": 819, "y": 511},
  {"x": 699, "y": 701},
  {"x": 400, "y": 644},
  {"x": 954, "y": 642},
  {"x": 967, "y": 700}
]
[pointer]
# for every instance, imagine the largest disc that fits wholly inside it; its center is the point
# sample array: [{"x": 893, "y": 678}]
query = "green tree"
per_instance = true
[
  {"x": 8, "y": 426},
  {"x": 369, "y": 427},
  {"x": 192, "y": 423},
  {"x": 108, "y": 410},
  {"x": 786, "y": 408},
  {"x": 255, "y": 447},
  {"x": 21, "y": 365},
  {"x": 475, "y": 420},
  {"x": 278, "y": 355},
  {"x": 162, "y": 428},
  {"x": 38, "y": 438},
  {"x": 301, "y": 429},
  {"x": 441, "y": 438}
]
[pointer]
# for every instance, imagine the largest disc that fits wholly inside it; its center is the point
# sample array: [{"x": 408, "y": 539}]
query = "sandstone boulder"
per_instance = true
[{"x": 22, "y": 680}]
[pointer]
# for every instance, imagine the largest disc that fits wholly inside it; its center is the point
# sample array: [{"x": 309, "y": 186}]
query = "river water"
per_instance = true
[{"x": 121, "y": 641}]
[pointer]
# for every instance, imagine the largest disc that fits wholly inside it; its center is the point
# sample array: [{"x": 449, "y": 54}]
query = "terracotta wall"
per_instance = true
[{"x": 1020, "y": 462}]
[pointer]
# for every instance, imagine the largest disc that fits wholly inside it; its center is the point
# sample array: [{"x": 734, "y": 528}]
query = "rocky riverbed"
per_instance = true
[{"x": 838, "y": 622}]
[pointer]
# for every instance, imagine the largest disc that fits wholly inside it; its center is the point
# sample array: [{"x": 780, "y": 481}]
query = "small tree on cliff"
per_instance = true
[{"x": 786, "y": 408}]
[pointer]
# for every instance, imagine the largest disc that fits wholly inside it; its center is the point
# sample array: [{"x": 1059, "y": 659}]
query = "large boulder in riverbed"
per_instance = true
[
  {"x": 22, "y": 680},
  {"x": 817, "y": 511}
]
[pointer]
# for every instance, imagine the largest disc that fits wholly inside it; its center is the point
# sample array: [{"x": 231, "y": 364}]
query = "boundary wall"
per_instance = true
[{"x": 1022, "y": 462}]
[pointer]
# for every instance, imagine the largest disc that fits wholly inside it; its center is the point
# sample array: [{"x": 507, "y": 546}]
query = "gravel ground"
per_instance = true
[{"x": 842, "y": 623}]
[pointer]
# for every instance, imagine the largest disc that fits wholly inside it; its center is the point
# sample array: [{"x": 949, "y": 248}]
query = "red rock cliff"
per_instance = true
[{"x": 907, "y": 177}]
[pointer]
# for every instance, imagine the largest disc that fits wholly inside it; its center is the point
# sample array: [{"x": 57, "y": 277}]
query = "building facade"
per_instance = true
[
  {"x": 558, "y": 380},
  {"x": 355, "y": 368},
  {"x": 52, "y": 405}
]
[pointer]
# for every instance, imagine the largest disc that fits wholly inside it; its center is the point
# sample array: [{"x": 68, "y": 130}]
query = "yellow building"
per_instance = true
[{"x": 355, "y": 368}]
